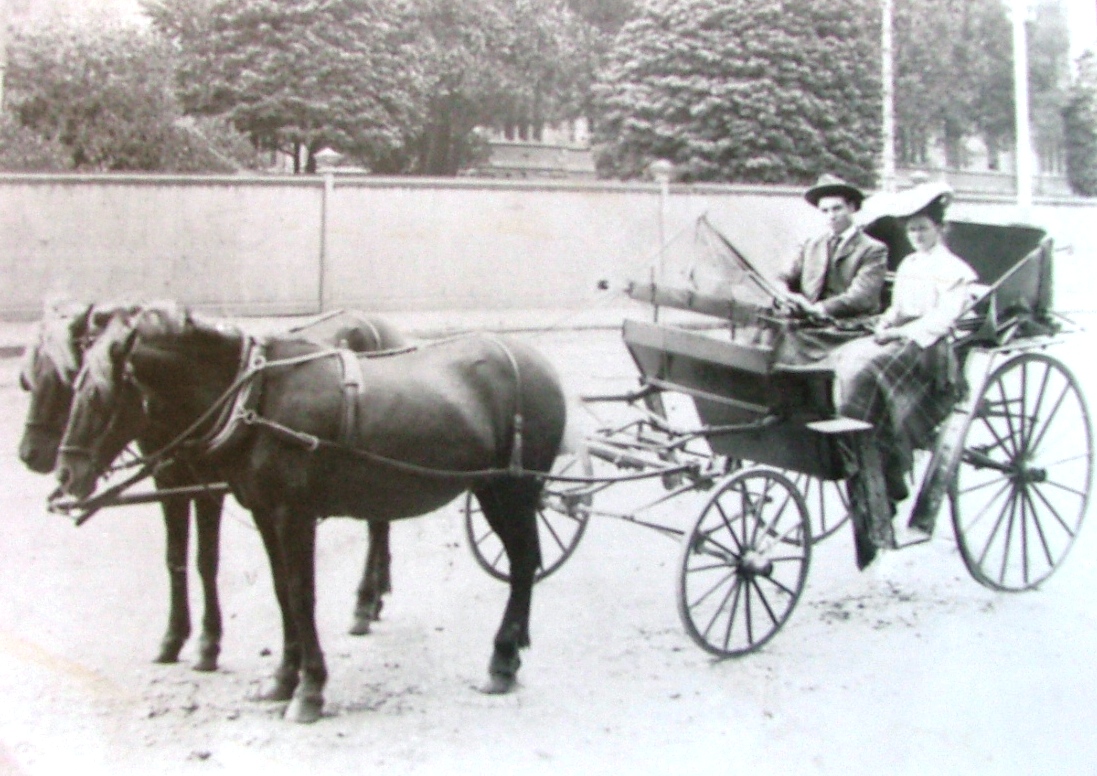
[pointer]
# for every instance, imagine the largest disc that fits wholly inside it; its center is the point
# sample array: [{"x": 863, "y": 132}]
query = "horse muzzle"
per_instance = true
[{"x": 76, "y": 475}]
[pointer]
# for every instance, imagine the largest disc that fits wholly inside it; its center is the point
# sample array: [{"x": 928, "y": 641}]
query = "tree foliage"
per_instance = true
[
  {"x": 1080, "y": 128},
  {"x": 104, "y": 94},
  {"x": 397, "y": 84},
  {"x": 953, "y": 74},
  {"x": 22, "y": 150},
  {"x": 299, "y": 73},
  {"x": 744, "y": 90}
]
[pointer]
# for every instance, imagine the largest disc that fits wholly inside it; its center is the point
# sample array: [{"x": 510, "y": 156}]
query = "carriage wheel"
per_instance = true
[
  {"x": 744, "y": 563},
  {"x": 827, "y": 502},
  {"x": 561, "y": 520},
  {"x": 1022, "y": 485}
]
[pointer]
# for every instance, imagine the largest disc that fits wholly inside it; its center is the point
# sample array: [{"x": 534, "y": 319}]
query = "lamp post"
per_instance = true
[
  {"x": 662, "y": 170},
  {"x": 887, "y": 79},
  {"x": 1025, "y": 163}
]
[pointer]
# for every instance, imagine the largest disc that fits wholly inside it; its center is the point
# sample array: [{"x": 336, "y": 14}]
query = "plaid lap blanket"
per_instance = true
[{"x": 904, "y": 391}]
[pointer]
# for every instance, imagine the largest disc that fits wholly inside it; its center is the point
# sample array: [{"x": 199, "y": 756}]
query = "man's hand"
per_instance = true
[{"x": 800, "y": 304}]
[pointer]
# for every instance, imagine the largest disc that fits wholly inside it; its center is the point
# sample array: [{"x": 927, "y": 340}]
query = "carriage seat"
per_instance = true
[{"x": 992, "y": 250}]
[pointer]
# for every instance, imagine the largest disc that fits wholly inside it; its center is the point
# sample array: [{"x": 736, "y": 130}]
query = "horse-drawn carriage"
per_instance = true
[
  {"x": 328, "y": 435},
  {"x": 1013, "y": 459}
]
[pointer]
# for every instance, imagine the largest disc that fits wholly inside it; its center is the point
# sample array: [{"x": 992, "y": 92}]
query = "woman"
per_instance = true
[{"x": 901, "y": 379}]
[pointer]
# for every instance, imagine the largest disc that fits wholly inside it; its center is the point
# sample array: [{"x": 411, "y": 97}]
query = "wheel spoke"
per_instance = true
[
  {"x": 1070, "y": 459},
  {"x": 997, "y": 525},
  {"x": 747, "y": 612},
  {"x": 552, "y": 532},
  {"x": 1051, "y": 416},
  {"x": 979, "y": 515},
  {"x": 1008, "y": 415},
  {"x": 1000, "y": 442},
  {"x": 731, "y": 614},
  {"x": 1054, "y": 512},
  {"x": 1039, "y": 528},
  {"x": 1038, "y": 404},
  {"x": 712, "y": 589},
  {"x": 1009, "y": 535},
  {"x": 783, "y": 588},
  {"x": 986, "y": 484},
  {"x": 1067, "y": 488},
  {"x": 765, "y": 603},
  {"x": 716, "y": 612},
  {"x": 727, "y": 523}
]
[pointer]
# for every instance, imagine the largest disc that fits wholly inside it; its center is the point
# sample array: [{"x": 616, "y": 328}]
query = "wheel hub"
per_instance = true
[{"x": 754, "y": 564}]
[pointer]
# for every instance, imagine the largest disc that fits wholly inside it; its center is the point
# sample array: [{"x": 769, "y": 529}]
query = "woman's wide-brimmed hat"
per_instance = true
[
  {"x": 832, "y": 186},
  {"x": 921, "y": 199}
]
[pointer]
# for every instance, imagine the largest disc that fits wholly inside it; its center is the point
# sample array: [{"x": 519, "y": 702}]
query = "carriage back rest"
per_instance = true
[
  {"x": 994, "y": 250},
  {"x": 991, "y": 250}
]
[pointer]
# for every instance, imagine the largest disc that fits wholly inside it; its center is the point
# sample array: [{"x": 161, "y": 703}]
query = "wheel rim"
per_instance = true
[
  {"x": 744, "y": 563},
  {"x": 827, "y": 503},
  {"x": 561, "y": 520},
  {"x": 1022, "y": 485}
]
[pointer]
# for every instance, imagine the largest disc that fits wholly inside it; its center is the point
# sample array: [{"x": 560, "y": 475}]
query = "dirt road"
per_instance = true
[{"x": 912, "y": 668}]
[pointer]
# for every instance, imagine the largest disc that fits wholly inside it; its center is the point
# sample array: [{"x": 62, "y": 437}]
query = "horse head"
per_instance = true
[
  {"x": 105, "y": 412},
  {"x": 152, "y": 371},
  {"x": 48, "y": 372}
]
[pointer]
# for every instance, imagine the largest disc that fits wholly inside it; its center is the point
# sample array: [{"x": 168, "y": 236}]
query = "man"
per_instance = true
[{"x": 840, "y": 273}]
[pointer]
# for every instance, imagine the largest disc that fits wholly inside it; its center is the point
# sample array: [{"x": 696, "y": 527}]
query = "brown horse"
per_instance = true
[
  {"x": 48, "y": 373},
  {"x": 476, "y": 413}
]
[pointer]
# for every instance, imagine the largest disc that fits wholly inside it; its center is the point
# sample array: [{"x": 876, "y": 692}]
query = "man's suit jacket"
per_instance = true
[{"x": 857, "y": 274}]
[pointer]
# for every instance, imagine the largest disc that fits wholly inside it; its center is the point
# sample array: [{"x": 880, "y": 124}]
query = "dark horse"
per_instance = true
[
  {"x": 51, "y": 366},
  {"x": 476, "y": 412}
]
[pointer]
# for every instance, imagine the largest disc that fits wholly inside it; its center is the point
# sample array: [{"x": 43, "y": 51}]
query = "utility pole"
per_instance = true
[
  {"x": 887, "y": 78},
  {"x": 1025, "y": 162},
  {"x": 3, "y": 48}
]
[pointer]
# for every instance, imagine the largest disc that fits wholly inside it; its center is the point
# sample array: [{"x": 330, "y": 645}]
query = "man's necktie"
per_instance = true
[{"x": 832, "y": 246}]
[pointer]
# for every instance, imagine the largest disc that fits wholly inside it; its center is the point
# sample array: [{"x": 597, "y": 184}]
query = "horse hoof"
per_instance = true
[
  {"x": 360, "y": 626},
  {"x": 206, "y": 664},
  {"x": 275, "y": 691},
  {"x": 499, "y": 684},
  {"x": 304, "y": 710},
  {"x": 167, "y": 656}
]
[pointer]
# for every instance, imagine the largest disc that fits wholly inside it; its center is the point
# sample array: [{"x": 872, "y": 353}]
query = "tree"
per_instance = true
[
  {"x": 953, "y": 75},
  {"x": 769, "y": 91},
  {"x": 300, "y": 74},
  {"x": 105, "y": 94},
  {"x": 514, "y": 65},
  {"x": 1080, "y": 128},
  {"x": 22, "y": 150},
  {"x": 1049, "y": 80}
]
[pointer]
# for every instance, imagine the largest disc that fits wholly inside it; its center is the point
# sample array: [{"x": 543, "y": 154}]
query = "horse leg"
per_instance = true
[
  {"x": 176, "y": 526},
  {"x": 282, "y": 685},
  {"x": 375, "y": 578},
  {"x": 510, "y": 507},
  {"x": 207, "y": 511},
  {"x": 297, "y": 537}
]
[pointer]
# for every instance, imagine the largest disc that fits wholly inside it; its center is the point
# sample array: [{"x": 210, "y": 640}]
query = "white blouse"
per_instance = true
[{"x": 930, "y": 292}]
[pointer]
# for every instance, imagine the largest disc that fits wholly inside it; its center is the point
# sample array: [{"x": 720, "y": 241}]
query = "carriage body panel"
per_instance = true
[{"x": 737, "y": 384}]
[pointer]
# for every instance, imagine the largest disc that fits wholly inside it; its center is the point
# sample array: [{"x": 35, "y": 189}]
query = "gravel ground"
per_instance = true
[{"x": 908, "y": 668}]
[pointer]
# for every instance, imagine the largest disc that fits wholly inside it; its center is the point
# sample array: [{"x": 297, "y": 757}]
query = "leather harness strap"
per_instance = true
[
  {"x": 228, "y": 426},
  {"x": 352, "y": 387}
]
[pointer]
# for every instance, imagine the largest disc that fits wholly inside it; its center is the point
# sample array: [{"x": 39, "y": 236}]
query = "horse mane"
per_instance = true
[
  {"x": 171, "y": 319},
  {"x": 54, "y": 339}
]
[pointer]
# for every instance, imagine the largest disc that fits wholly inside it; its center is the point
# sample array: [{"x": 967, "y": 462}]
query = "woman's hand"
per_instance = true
[{"x": 884, "y": 335}]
